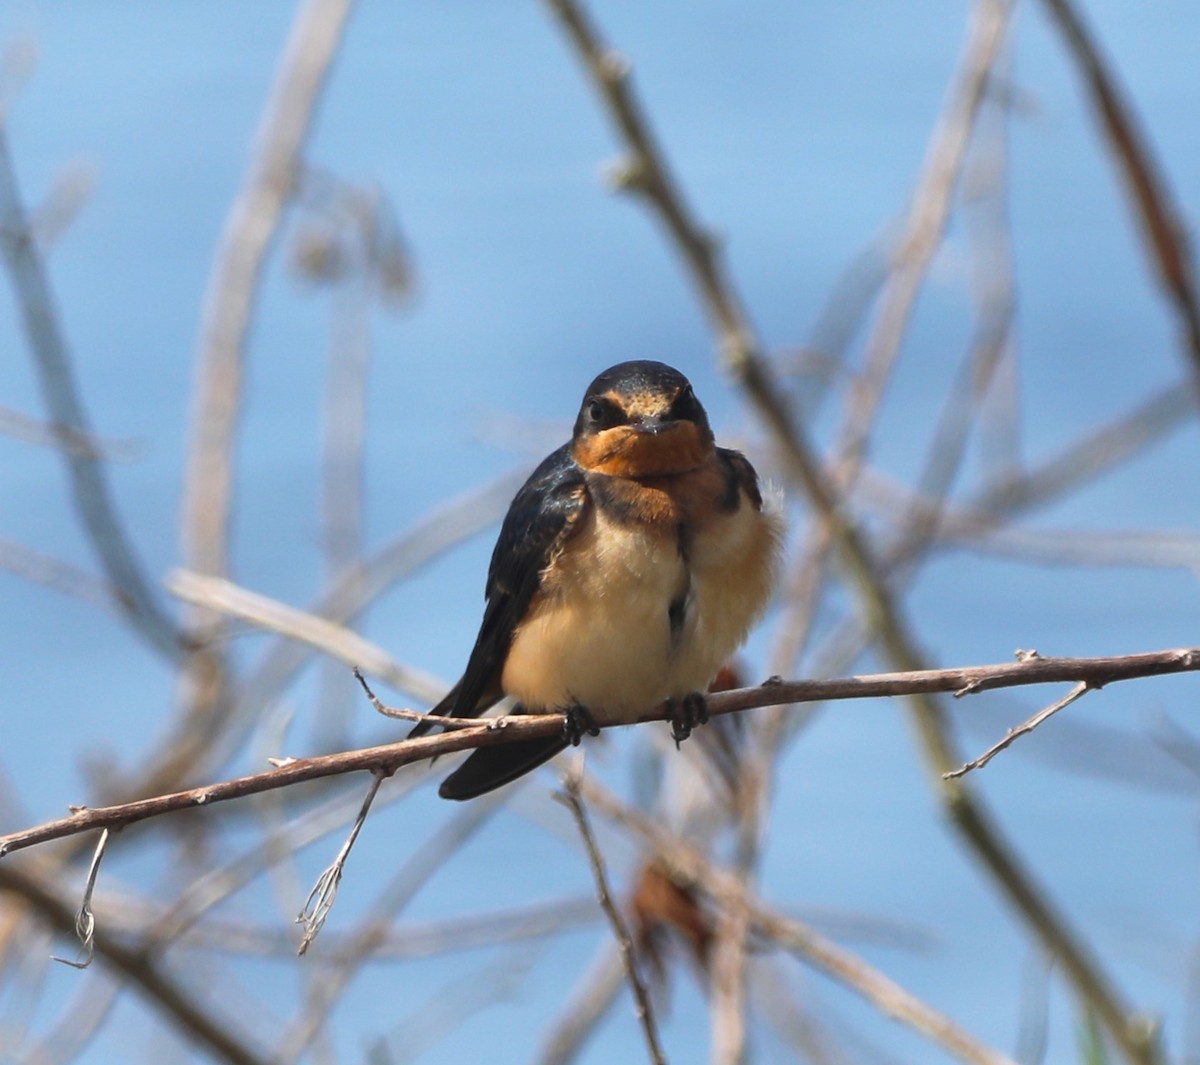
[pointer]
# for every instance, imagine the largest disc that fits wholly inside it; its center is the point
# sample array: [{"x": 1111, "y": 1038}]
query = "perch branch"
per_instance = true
[{"x": 387, "y": 758}]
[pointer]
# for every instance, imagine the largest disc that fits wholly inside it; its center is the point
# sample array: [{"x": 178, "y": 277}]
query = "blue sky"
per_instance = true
[{"x": 797, "y": 131}]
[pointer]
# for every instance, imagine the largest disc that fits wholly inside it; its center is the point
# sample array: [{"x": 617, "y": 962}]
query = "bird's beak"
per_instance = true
[{"x": 650, "y": 425}]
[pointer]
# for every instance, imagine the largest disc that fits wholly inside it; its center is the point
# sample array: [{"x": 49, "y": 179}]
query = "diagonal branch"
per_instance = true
[
  {"x": 743, "y": 357},
  {"x": 140, "y": 969},
  {"x": 1081, "y": 689}
]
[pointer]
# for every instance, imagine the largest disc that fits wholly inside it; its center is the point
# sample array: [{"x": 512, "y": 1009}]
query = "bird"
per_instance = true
[{"x": 630, "y": 565}]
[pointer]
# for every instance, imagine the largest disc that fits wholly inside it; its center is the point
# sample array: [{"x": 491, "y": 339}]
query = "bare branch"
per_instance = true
[
  {"x": 320, "y": 899},
  {"x": 926, "y": 223},
  {"x": 387, "y": 758},
  {"x": 233, "y": 286}
]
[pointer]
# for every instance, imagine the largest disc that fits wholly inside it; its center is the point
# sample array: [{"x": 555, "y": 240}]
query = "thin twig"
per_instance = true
[
  {"x": 1097, "y": 672},
  {"x": 401, "y": 713},
  {"x": 570, "y": 797},
  {"x": 404, "y": 942},
  {"x": 320, "y": 900},
  {"x": 31, "y": 431},
  {"x": 61, "y": 576},
  {"x": 377, "y": 925},
  {"x": 1013, "y": 734}
]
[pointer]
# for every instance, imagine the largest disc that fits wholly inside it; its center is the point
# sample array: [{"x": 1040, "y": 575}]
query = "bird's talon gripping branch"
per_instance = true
[
  {"x": 685, "y": 714},
  {"x": 578, "y": 721}
]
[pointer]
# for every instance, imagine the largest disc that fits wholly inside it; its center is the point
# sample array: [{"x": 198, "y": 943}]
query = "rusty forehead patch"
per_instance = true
[{"x": 643, "y": 403}]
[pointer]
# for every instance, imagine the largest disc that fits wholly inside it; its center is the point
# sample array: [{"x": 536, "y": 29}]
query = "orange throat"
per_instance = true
[{"x": 627, "y": 452}]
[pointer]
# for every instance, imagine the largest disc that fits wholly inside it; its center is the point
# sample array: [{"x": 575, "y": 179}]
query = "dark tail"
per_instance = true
[
  {"x": 489, "y": 768},
  {"x": 443, "y": 709}
]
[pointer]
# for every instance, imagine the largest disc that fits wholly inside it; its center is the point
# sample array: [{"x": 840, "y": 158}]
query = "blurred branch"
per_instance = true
[
  {"x": 1096, "y": 672},
  {"x": 586, "y": 1006},
  {"x": 434, "y": 534},
  {"x": 139, "y": 968},
  {"x": 570, "y": 796},
  {"x": 61, "y": 576},
  {"x": 1160, "y": 217},
  {"x": 237, "y": 270},
  {"x": 433, "y": 854},
  {"x": 31, "y": 431},
  {"x": 647, "y": 174},
  {"x": 89, "y": 485},
  {"x": 225, "y": 597},
  {"x": 250, "y": 229},
  {"x": 689, "y": 868},
  {"x": 404, "y": 941},
  {"x": 926, "y": 223}
]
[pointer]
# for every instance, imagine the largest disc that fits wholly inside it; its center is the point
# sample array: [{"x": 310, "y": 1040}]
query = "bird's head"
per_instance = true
[{"x": 641, "y": 419}]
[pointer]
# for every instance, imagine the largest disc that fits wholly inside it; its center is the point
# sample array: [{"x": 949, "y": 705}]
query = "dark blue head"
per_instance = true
[{"x": 641, "y": 419}]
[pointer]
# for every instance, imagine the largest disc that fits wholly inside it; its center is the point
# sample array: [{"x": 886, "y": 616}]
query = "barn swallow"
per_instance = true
[{"x": 629, "y": 567}]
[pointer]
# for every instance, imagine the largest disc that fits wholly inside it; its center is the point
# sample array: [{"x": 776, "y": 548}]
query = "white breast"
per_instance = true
[{"x": 600, "y": 634}]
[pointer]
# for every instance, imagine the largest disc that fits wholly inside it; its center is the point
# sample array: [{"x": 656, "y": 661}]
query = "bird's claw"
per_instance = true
[
  {"x": 578, "y": 721},
  {"x": 685, "y": 714}
]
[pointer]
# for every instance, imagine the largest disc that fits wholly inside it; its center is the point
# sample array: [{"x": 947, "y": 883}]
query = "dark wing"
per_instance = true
[
  {"x": 740, "y": 477},
  {"x": 542, "y": 515}
]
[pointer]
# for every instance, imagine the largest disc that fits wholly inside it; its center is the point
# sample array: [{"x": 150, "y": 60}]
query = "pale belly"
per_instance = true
[{"x": 602, "y": 635}]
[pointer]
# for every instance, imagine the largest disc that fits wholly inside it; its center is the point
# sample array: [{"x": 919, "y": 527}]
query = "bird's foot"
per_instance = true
[
  {"x": 578, "y": 721},
  {"x": 685, "y": 714}
]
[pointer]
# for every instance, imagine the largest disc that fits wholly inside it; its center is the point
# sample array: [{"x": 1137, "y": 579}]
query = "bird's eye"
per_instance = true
[
  {"x": 684, "y": 406},
  {"x": 596, "y": 410}
]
